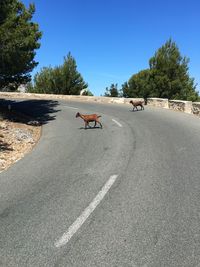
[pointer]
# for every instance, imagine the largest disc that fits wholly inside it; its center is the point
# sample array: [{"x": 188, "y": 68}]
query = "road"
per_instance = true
[{"x": 125, "y": 195}]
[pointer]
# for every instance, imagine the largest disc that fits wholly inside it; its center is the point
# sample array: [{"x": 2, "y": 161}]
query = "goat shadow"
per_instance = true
[
  {"x": 90, "y": 128},
  {"x": 135, "y": 110}
]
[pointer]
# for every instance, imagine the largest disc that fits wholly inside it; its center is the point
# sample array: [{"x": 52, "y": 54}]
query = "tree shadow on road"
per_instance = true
[{"x": 24, "y": 111}]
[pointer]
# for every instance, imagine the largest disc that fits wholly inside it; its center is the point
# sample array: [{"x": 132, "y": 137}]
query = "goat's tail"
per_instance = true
[{"x": 98, "y": 116}]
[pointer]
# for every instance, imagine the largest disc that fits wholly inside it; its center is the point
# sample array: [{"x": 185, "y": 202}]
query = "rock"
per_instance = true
[
  {"x": 3, "y": 126},
  {"x": 23, "y": 135},
  {"x": 34, "y": 123},
  {"x": 2, "y": 162},
  {"x": 17, "y": 139}
]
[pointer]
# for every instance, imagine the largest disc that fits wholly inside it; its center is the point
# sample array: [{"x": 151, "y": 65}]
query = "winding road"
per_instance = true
[{"x": 125, "y": 195}]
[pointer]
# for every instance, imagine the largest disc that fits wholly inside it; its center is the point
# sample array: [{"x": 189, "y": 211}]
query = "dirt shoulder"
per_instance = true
[{"x": 17, "y": 137}]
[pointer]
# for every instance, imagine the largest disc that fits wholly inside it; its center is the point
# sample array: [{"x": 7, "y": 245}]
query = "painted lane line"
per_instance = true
[
  {"x": 70, "y": 107},
  {"x": 119, "y": 124},
  {"x": 86, "y": 213}
]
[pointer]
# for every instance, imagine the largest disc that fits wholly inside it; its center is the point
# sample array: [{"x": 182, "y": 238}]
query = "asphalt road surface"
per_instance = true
[{"x": 125, "y": 195}]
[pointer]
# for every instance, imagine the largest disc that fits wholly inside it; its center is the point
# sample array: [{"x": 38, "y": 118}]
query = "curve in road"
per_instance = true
[{"x": 149, "y": 216}]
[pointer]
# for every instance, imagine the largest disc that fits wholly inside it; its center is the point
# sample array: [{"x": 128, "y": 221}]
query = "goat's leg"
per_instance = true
[
  {"x": 99, "y": 124},
  {"x": 86, "y": 123},
  {"x": 95, "y": 123}
]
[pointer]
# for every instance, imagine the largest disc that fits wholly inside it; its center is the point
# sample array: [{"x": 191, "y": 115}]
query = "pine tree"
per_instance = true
[
  {"x": 125, "y": 90},
  {"x": 139, "y": 85},
  {"x": 18, "y": 41},
  {"x": 63, "y": 79},
  {"x": 167, "y": 77},
  {"x": 73, "y": 82},
  {"x": 112, "y": 91},
  {"x": 169, "y": 74}
]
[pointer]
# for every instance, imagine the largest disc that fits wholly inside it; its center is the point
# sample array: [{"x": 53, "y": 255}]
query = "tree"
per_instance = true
[
  {"x": 19, "y": 38},
  {"x": 44, "y": 82},
  {"x": 87, "y": 93},
  {"x": 73, "y": 82},
  {"x": 138, "y": 85},
  {"x": 169, "y": 74},
  {"x": 125, "y": 90},
  {"x": 167, "y": 77},
  {"x": 112, "y": 91},
  {"x": 63, "y": 79}
]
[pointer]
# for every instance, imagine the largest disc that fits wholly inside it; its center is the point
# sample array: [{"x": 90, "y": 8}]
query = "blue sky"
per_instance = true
[{"x": 113, "y": 39}]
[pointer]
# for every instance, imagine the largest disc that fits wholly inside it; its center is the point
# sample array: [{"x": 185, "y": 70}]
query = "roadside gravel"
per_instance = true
[{"x": 16, "y": 137}]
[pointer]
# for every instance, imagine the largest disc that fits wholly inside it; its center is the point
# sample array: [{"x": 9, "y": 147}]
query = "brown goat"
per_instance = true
[
  {"x": 89, "y": 118},
  {"x": 136, "y": 104}
]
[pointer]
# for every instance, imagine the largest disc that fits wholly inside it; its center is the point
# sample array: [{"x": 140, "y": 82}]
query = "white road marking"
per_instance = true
[
  {"x": 70, "y": 107},
  {"x": 119, "y": 124},
  {"x": 86, "y": 213}
]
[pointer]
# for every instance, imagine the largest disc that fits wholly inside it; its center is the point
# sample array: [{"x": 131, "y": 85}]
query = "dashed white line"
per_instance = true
[
  {"x": 119, "y": 124},
  {"x": 70, "y": 107},
  {"x": 86, "y": 213}
]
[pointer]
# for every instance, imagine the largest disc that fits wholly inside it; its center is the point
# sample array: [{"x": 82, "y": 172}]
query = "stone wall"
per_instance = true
[
  {"x": 196, "y": 108},
  {"x": 179, "y": 105},
  {"x": 158, "y": 102},
  {"x": 100, "y": 99}
]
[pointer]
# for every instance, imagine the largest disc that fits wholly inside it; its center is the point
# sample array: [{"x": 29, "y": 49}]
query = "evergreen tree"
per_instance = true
[
  {"x": 112, "y": 91},
  {"x": 88, "y": 93},
  {"x": 73, "y": 82},
  {"x": 18, "y": 41},
  {"x": 125, "y": 90},
  {"x": 63, "y": 79},
  {"x": 169, "y": 74},
  {"x": 44, "y": 81},
  {"x": 167, "y": 77},
  {"x": 107, "y": 93},
  {"x": 138, "y": 85}
]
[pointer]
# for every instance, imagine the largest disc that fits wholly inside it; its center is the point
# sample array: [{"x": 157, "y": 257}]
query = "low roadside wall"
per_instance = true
[
  {"x": 100, "y": 99},
  {"x": 158, "y": 102},
  {"x": 177, "y": 105},
  {"x": 15, "y": 95},
  {"x": 196, "y": 108}
]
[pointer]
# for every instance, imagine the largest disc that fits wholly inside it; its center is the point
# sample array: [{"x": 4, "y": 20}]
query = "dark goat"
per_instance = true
[
  {"x": 89, "y": 118},
  {"x": 136, "y": 104}
]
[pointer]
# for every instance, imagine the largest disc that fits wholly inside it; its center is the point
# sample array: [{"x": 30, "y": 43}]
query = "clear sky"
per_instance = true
[{"x": 113, "y": 39}]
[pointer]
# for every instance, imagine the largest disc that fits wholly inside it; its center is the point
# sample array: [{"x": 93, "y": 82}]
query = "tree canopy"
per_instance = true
[
  {"x": 19, "y": 38},
  {"x": 88, "y": 93},
  {"x": 112, "y": 91},
  {"x": 167, "y": 77},
  {"x": 63, "y": 79},
  {"x": 138, "y": 85},
  {"x": 170, "y": 73}
]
